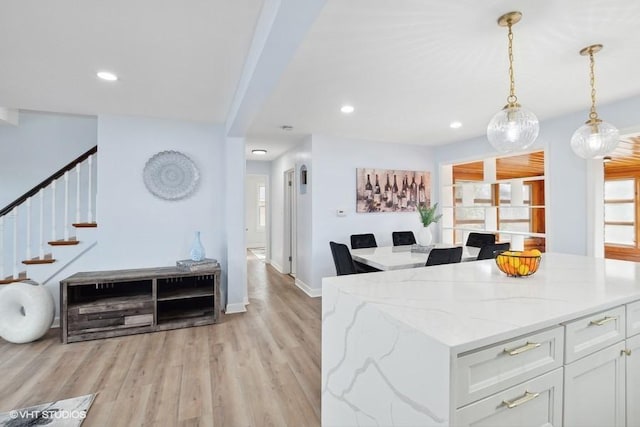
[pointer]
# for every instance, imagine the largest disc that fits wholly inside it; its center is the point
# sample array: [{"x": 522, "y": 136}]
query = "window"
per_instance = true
[
  {"x": 262, "y": 208},
  {"x": 514, "y": 216},
  {"x": 619, "y": 212},
  {"x": 471, "y": 199}
]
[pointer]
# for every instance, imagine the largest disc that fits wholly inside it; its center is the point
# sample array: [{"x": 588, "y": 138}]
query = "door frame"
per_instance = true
[{"x": 290, "y": 224}]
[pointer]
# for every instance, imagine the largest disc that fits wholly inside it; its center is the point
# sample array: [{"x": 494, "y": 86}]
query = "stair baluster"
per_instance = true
[
  {"x": 89, "y": 190},
  {"x": 41, "y": 251},
  {"x": 29, "y": 228},
  {"x": 15, "y": 242},
  {"x": 66, "y": 205},
  {"x": 78, "y": 193},
  {"x": 53, "y": 211}
]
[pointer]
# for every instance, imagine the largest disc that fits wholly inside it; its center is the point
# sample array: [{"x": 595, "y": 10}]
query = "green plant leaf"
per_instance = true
[{"x": 428, "y": 214}]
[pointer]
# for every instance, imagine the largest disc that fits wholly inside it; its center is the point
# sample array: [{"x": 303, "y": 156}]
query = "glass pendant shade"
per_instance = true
[
  {"x": 595, "y": 140},
  {"x": 513, "y": 128}
]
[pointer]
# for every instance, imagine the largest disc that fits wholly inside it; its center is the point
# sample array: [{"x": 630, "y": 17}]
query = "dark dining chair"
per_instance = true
[
  {"x": 342, "y": 259},
  {"x": 491, "y": 251},
  {"x": 401, "y": 238},
  {"x": 439, "y": 256},
  {"x": 478, "y": 240},
  {"x": 361, "y": 241}
]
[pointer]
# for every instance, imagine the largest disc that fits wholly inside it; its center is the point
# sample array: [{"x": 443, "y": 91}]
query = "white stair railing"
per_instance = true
[{"x": 19, "y": 237}]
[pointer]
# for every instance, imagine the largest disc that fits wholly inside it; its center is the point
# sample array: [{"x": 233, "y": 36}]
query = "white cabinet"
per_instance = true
[
  {"x": 602, "y": 386},
  {"x": 594, "y": 389},
  {"x": 633, "y": 381},
  {"x": 537, "y": 402},
  {"x": 513, "y": 383},
  {"x": 484, "y": 372},
  {"x": 595, "y": 332}
]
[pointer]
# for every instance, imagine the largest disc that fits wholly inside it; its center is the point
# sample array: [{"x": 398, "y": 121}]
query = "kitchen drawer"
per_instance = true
[
  {"x": 537, "y": 402},
  {"x": 484, "y": 372},
  {"x": 633, "y": 319},
  {"x": 593, "y": 333}
]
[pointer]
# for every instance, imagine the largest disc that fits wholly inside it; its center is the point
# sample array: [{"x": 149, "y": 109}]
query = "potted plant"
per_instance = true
[{"x": 428, "y": 216}]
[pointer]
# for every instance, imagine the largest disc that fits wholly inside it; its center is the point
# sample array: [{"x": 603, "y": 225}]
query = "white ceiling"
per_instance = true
[
  {"x": 409, "y": 67},
  {"x": 175, "y": 59}
]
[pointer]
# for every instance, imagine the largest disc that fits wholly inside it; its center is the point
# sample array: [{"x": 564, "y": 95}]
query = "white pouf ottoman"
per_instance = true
[{"x": 26, "y": 311}]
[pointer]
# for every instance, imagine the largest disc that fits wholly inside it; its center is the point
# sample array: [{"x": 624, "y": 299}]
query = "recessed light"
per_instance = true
[
  {"x": 347, "y": 109},
  {"x": 259, "y": 152},
  {"x": 106, "y": 75},
  {"x": 455, "y": 125}
]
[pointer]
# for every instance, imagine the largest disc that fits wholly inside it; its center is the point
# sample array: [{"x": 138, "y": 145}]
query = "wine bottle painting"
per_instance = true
[{"x": 388, "y": 190}]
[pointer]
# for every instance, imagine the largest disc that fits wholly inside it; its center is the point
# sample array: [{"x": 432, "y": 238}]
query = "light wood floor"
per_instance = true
[{"x": 260, "y": 368}]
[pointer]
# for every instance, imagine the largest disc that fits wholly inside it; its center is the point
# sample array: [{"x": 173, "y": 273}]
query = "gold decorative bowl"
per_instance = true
[{"x": 518, "y": 263}]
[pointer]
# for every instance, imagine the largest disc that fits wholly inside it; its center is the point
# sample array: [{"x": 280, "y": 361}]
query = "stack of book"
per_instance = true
[
  {"x": 206, "y": 264},
  {"x": 422, "y": 249}
]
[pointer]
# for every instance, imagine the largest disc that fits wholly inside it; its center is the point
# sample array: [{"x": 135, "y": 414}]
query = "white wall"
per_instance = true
[
  {"x": 301, "y": 154},
  {"x": 255, "y": 167},
  {"x": 235, "y": 273},
  {"x": 137, "y": 229},
  {"x": 334, "y": 175},
  {"x": 40, "y": 145}
]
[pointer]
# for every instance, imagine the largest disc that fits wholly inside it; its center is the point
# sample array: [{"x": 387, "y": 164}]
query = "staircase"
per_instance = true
[{"x": 51, "y": 225}]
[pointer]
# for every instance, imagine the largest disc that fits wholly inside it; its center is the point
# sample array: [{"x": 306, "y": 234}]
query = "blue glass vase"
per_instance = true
[{"x": 197, "y": 250}]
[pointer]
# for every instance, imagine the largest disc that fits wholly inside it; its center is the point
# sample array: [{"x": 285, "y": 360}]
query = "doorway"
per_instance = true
[
  {"x": 256, "y": 211},
  {"x": 290, "y": 233}
]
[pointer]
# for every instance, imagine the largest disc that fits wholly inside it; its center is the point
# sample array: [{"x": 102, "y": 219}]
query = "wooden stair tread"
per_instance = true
[
  {"x": 62, "y": 242},
  {"x": 85, "y": 224},
  {"x": 21, "y": 276},
  {"x": 48, "y": 259}
]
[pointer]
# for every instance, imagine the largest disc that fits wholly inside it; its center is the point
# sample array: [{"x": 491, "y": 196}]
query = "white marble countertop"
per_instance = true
[{"x": 471, "y": 304}]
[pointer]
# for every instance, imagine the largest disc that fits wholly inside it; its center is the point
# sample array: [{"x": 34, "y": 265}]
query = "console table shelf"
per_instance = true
[{"x": 104, "y": 304}]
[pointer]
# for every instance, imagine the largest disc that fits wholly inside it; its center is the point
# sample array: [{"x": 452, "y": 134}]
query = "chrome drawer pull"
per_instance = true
[
  {"x": 601, "y": 322},
  {"x": 528, "y": 346},
  {"x": 519, "y": 401}
]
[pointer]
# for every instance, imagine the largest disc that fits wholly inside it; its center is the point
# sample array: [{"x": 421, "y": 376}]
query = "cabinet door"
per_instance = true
[
  {"x": 594, "y": 389},
  {"x": 537, "y": 402},
  {"x": 633, "y": 382}
]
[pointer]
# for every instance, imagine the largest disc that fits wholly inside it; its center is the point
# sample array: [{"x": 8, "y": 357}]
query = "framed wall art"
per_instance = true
[{"x": 390, "y": 190}]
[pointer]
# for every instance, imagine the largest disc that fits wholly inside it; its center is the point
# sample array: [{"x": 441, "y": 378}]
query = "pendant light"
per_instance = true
[
  {"x": 595, "y": 139},
  {"x": 513, "y": 128}
]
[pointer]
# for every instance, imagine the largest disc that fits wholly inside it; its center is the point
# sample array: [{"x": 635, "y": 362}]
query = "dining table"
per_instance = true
[{"x": 402, "y": 257}]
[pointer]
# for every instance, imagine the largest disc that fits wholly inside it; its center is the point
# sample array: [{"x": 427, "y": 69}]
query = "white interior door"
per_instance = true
[{"x": 256, "y": 211}]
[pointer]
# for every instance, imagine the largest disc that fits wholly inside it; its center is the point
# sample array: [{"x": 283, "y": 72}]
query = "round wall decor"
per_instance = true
[{"x": 170, "y": 175}]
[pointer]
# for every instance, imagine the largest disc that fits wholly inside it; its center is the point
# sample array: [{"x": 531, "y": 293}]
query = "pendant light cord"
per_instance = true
[
  {"x": 512, "y": 99},
  {"x": 593, "y": 115}
]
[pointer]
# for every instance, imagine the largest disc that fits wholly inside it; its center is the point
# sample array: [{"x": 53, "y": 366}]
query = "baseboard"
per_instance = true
[
  {"x": 235, "y": 308},
  {"x": 312, "y": 292},
  {"x": 277, "y": 267}
]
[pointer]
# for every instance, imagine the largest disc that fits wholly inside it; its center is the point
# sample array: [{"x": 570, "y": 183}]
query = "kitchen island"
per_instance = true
[{"x": 463, "y": 344}]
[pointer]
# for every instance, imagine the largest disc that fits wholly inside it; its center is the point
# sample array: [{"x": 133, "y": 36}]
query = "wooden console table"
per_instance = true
[{"x": 104, "y": 304}]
